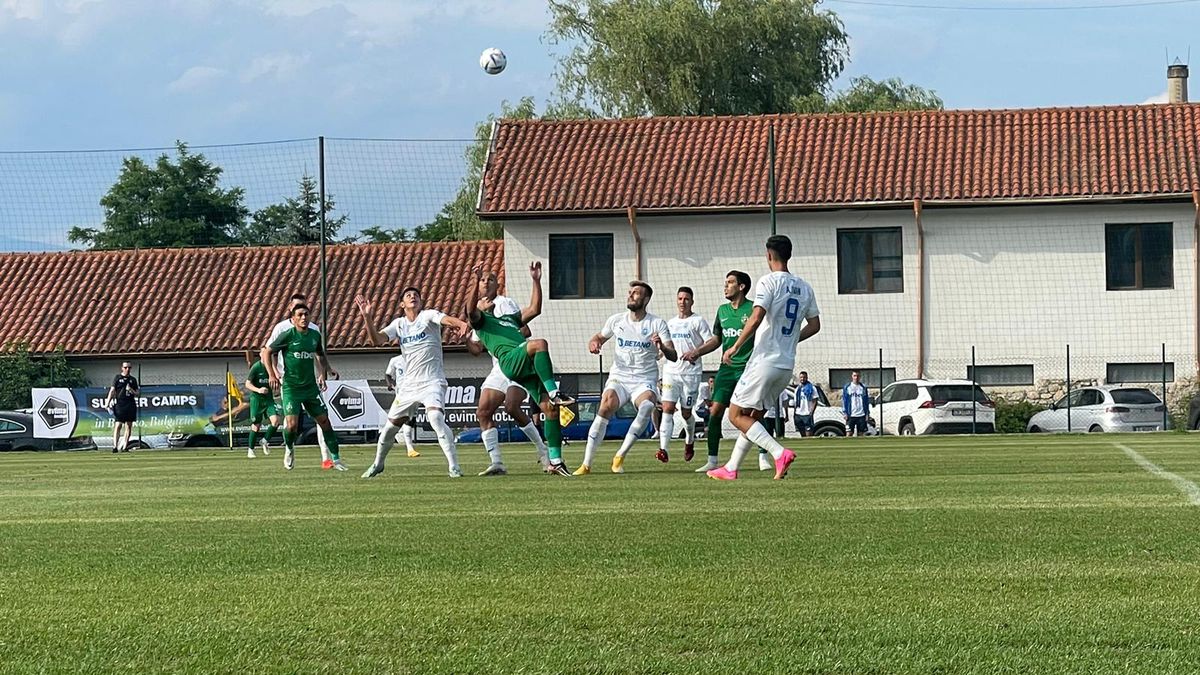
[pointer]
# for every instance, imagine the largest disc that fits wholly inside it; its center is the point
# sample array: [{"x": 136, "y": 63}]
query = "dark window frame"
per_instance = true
[
  {"x": 580, "y": 267},
  {"x": 869, "y": 257},
  {"x": 1139, "y": 282},
  {"x": 864, "y": 372},
  {"x": 1007, "y": 367},
  {"x": 1113, "y": 368}
]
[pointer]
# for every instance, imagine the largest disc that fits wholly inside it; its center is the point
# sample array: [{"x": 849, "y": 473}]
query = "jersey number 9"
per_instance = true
[{"x": 792, "y": 312}]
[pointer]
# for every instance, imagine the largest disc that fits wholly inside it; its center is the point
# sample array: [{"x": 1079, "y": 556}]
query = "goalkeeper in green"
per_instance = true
[{"x": 524, "y": 361}]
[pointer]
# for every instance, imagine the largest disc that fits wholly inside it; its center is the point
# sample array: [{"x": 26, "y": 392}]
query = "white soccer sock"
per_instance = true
[
  {"x": 759, "y": 436},
  {"x": 531, "y": 432},
  {"x": 387, "y": 438},
  {"x": 321, "y": 442},
  {"x": 740, "y": 448},
  {"x": 668, "y": 430},
  {"x": 595, "y": 436},
  {"x": 405, "y": 435},
  {"x": 491, "y": 443},
  {"x": 645, "y": 410},
  {"x": 689, "y": 427},
  {"x": 437, "y": 420}
]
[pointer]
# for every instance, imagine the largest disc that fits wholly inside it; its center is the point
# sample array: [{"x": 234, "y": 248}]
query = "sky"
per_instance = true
[{"x": 117, "y": 74}]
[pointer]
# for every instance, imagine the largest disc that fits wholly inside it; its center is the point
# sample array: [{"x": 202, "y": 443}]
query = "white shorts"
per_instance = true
[
  {"x": 629, "y": 390},
  {"x": 683, "y": 389},
  {"x": 430, "y": 395},
  {"x": 498, "y": 381},
  {"x": 760, "y": 387}
]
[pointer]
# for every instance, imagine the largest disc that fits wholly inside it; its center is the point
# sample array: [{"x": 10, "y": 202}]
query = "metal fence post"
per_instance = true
[
  {"x": 974, "y": 405},
  {"x": 881, "y": 391},
  {"x": 1068, "y": 396},
  {"x": 1166, "y": 408}
]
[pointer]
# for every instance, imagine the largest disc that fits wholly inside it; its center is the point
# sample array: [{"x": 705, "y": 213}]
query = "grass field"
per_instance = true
[{"x": 945, "y": 555}]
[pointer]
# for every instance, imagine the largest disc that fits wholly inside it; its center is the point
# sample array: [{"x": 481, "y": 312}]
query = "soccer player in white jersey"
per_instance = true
[
  {"x": 681, "y": 379},
  {"x": 394, "y": 374},
  {"x": 497, "y": 389},
  {"x": 419, "y": 332},
  {"x": 639, "y": 336},
  {"x": 279, "y": 329},
  {"x": 782, "y": 303}
]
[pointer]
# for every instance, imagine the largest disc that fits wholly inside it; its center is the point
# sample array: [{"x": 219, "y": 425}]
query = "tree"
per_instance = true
[
  {"x": 867, "y": 95},
  {"x": 176, "y": 203},
  {"x": 295, "y": 221},
  {"x": 695, "y": 57},
  {"x": 379, "y": 235},
  {"x": 20, "y": 372}
]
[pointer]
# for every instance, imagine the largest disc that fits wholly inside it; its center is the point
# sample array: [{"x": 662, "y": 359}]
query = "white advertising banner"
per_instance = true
[
  {"x": 54, "y": 413},
  {"x": 352, "y": 405}
]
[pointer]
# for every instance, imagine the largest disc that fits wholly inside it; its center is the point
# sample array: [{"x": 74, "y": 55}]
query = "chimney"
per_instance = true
[{"x": 1177, "y": 75}]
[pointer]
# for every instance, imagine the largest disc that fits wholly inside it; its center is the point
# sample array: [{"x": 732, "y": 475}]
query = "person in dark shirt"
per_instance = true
[{"x": 122, "y": 400}]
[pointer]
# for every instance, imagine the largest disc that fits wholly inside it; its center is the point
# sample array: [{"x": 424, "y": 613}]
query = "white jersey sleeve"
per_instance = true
[
  {"x": 395, "y": 367},
  {"x": 505, "y": 305},
  {"x": 610, "y": 327},
  {"x": 392, "y": 330}
]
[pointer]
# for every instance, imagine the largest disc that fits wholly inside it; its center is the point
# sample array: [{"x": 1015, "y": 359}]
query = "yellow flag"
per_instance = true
[
  {"x": 565, "y": 416},
  {"x": 235, "y": 392}
]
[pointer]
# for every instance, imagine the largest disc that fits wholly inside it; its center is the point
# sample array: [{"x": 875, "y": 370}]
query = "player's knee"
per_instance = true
[{"x": 538, "y": 345}]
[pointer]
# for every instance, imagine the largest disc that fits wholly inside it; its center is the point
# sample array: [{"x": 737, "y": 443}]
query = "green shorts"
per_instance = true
[
  {"x": 725, "y": 382},
  {"x": 517, "y": 365},
  {"x": 306, "y": 401},
  {"x": 262, "y": 407}
]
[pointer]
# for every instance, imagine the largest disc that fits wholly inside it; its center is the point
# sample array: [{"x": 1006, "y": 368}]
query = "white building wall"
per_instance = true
[{"x": 1018, "y": 283}]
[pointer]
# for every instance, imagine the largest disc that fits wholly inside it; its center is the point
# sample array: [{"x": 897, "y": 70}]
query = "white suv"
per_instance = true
[
  {"x": 1104, "y": 408},
  {"x": 910, "y": 407}
]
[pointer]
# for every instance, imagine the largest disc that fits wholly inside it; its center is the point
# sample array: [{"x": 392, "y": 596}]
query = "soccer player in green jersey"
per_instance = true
[
  {"x": 522, "y": 360},
  {"x": 262, "y": 405},
  {"x": 731, "y": 317},
  {"x": 302, "y": 383}
]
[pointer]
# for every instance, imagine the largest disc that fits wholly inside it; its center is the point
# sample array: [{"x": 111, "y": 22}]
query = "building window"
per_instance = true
[
  {"x": 870, "y": 261},
  {"x": 1139, "y": 256},
  {"x": 1122, "y": 373},
  {"x": 840, "y": 377},
  {"x": 1001, "y": 376},
  {"x": 581, "y": 266}
]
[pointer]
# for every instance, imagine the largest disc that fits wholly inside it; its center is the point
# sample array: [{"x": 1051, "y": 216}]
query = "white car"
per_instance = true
[
  {"x": 917, "y": 407},
  {"x": 1103, "y": 408}
]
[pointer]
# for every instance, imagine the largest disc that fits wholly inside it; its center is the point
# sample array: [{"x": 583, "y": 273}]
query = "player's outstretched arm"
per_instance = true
[
  {"x": 471, "y": 309},
  {"x": 377, "y": 337},
  {"x": 596, "y": 343},
  {"x": 456, "y": 324},
  {"x": 534, "y": 309}
]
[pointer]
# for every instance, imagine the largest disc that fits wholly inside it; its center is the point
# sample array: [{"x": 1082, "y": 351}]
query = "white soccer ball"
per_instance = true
[{"x": 493, "y": 61}]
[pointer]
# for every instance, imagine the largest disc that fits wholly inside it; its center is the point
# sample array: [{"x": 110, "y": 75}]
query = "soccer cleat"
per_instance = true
[
  {"x": 327, "y": 464},
  {"x": 250, "y": 453},
  {"x": 560, "y": 469},
  {"x": 689, "y": 451},
  {"x": 266, "y": 448},
  {"x": 494, "y": 469},
  {"x": 583, "y": 470},
  {"x": 618, "y": 464},
  {"x": 413, "y": 453},
  {"x": 708, "y": 466},
  {"x": 289, "y": 458},
  {"x": 662, "y": 456},
  {"x": 562, "y": 400},
  {"x": 721, "y": 473},
  {"x": 764, "y": 462},
  {"x": 115, "y": 451},
  {"x": 340, "y": 465},
  {"x": 456, "y": 472},
  {"x": 372, "y": 471},
  {"x": 781, "y": 465}
]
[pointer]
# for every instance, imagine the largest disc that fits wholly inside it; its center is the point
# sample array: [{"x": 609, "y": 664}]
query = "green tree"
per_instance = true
[
  {"x": 173, "y": 203},
  {"x": 21, "y": 371},
  {"x": 380, "y": 235},
  {"x": 295, "y": 221},
  {"x": 695, "y": 57},
  {"x": 866, "y": 95}
]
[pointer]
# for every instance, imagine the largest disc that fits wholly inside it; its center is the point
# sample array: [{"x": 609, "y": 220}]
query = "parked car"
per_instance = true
[
  {"x": 585, "y": 409},
  {"x": 1103, "y": 408},
  {"x": 918, "y": 407},
  {"x": 16, "y": 434}
]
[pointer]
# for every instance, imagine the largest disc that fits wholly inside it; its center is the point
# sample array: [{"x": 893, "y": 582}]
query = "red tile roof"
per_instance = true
[
  {"x": 666, "y": 163},
  {"x": 166, "y": 301}
]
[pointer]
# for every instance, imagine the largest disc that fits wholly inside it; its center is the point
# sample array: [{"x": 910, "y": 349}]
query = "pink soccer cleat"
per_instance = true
[
  {"x": 721, "y": 473},
  {"x": 781, "y": 465}
]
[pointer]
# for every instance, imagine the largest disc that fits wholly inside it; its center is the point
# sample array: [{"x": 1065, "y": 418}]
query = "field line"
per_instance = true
[{"x": 1187, "y": 487}]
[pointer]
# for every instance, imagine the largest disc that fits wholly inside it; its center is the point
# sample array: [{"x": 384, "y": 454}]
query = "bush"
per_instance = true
[{"x": 1012, "y": 418}]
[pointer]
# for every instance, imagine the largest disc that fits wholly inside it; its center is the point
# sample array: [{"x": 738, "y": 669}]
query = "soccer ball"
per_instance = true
[{"x": 493, "y": 61}]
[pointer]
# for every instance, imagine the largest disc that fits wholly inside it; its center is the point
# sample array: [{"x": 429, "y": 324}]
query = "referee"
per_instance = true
[{"x": 123, "y": 393}]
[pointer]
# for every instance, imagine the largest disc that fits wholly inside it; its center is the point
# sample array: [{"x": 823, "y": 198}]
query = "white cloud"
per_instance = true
[
  {"x": 1157, "y": 98},
  {"x": 22, "y": 9},
  {"x": 194, "y": 78},
  {"x": 279, "y": 66}
]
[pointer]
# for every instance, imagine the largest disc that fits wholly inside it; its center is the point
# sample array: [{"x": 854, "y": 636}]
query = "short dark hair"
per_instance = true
[
  {"x": 636, "y": 283},
  {"x": 686, "y": 289},
  {"x": 414, "y": 289},
  {"x": 299, "y": 307},
  {"x": 781, "y": 246},
  {"x": 298, "y": 296},
  {"x": 804, "y": 373},
  {"x": 743, "y": 279}
]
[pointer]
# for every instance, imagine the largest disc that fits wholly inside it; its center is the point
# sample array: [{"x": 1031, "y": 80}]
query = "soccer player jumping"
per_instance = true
[
  {"x": 525, "y": 362},
  {"x": 782, "y": 301}
]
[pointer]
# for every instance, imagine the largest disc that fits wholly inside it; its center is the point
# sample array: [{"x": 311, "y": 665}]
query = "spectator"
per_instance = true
[
  {"x": 805, "y": 405},
  {"x": 856, "y": 401},
  {"x": 122, "y": 400}
]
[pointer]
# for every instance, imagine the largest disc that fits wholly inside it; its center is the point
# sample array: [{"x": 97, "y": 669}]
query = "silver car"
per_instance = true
[{"x": 1104, "y": 408}]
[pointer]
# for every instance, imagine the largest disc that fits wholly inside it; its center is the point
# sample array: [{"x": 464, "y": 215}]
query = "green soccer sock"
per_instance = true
[
  {"x": 545, "y": 371},
  {"x": 713, "y": 437},
  {"x": 253, "y": 437},
  {"x": 289, "y": 438},
  {"x": 331, "y": 442},
  {"x": 270, "y": 432},
  {"x": 553, "y": 438}
]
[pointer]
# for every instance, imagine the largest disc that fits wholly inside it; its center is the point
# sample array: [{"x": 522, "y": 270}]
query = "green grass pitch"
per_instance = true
[{"x": 942, "y": 555}]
